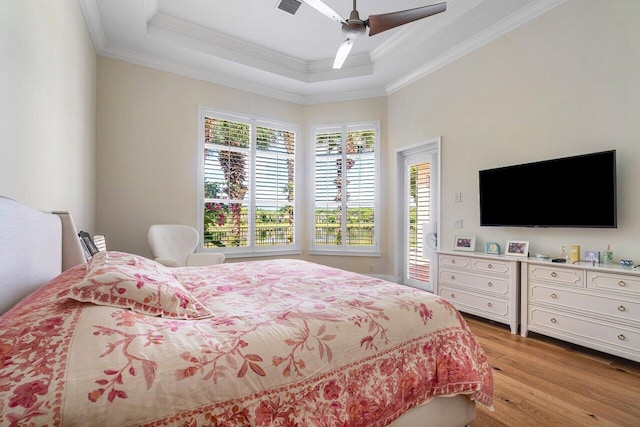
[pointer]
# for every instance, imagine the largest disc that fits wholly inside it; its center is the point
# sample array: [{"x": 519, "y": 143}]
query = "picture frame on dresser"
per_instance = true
[
  {"x": 517, "y": 248},
  {"x": 464, "y": 243}
]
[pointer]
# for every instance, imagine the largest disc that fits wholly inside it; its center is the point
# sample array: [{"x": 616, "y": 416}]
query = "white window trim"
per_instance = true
[
  {"x": 344, "y": 250},
  {"x": 253, "y": 121}
]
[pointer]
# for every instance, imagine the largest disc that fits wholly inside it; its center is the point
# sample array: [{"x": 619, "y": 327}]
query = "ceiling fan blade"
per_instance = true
[
  {"x": 387, "y": 21},
  {"x": 321, "y": 7},
  {"x": 343, "y": 52}
]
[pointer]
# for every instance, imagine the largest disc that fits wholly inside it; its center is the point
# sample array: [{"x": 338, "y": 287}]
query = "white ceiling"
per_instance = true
[{"x": 252, "y": 45}]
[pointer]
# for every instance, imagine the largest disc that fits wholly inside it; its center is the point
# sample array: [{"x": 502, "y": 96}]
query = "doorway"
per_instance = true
[{"x": 418, "y": 202}]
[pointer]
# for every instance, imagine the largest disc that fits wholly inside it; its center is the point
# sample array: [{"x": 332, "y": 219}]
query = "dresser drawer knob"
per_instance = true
[
  {"x": 554, "y": 296},
  {"x": 489, "y": 305},
  {"x": 622, "y": 308},
  {"x": 453, "y": 296},
  {"x": 489, "y": 284},
  {"x": 553, "y": 274},
  {"x": 489, "y": 266},
  {"x": 622, "y": 283},
  {"x": 453, "y": 261},
  {"x": 622, "y": 337},
  {"x": 553, "y": 320},
  {"x": 453, "y": 277}
]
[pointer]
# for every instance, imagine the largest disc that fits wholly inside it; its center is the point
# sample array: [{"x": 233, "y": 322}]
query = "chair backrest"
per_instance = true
[{"x": 172, "y": 241}]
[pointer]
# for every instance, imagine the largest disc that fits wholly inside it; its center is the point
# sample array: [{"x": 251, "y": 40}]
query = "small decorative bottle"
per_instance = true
[
  {"x": 574, "y": 254},
  {"x": 607, "y": 256}
]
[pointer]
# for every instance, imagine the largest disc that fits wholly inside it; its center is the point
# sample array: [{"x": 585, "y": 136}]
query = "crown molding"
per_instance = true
[
  {"x": 209, "y": 42},
  {"x": 414, "y": 35},
  {"x": 344, "y": 96},
  {"x": 201, "y": 74},
  {"x": 198, "y": 73},
  {"x": 497, "y": 30},
  {"x": 94, "y": 23}
]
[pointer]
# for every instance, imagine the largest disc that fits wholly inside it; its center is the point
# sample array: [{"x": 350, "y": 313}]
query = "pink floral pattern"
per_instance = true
[
  {"x": 290, "y": 343},
  {"x": 125, "y": 280}
]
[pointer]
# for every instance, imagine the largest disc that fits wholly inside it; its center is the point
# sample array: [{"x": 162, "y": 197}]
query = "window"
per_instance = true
[
  {"x": 345, "y": 196},
  {"x": 248, "y": 181}
]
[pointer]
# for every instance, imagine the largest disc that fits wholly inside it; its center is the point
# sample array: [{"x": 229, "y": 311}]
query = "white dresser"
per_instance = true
[
  {"x": 590, "y": 305},
  {"x": 479, "y": 284}
]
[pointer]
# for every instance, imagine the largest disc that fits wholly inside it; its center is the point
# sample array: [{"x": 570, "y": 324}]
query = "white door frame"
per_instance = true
[{"x": 433, "y": 147}]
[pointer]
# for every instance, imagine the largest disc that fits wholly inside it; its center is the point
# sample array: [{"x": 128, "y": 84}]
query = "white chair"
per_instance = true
[{"x": 173, "y": 245}]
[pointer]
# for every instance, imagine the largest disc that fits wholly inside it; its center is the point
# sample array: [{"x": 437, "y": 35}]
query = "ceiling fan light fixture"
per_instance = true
[
  {"x": 343, "y": 52},
  {"x": 354, "y": 27}
]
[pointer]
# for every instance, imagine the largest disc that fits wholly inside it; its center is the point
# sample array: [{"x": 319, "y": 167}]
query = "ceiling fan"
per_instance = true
[{"x": 355, "y": 27}]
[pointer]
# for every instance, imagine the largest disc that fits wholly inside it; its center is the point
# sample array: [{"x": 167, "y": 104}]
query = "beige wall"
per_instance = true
[
  {"x": 567, "y": 83},
  {"x": 147, "y": 140},
  {"x": 47, "y": 107}
]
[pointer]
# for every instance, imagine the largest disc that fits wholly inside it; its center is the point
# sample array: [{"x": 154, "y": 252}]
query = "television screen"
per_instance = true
[{"x": 578, "y": 191}]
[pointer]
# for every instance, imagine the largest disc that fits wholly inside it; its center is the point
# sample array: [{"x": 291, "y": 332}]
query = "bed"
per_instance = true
[{"x": 121, "y": 340}]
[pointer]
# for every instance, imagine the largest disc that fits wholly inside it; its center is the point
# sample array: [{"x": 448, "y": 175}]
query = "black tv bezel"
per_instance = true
[{"x": 612, "y": 225}]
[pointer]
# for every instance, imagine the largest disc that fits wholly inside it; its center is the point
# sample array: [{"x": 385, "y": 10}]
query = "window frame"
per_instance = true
[
  {"x": 343, "y": 249},
  {"x": 251, "y": 250}
]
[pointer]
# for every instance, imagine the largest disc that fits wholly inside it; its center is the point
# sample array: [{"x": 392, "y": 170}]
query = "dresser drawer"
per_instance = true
[
  {"x": 465, "y": 300},
  {"x": 496, "y": 285},
  {"x": 491, "y": 266},
  {"x": 452, "y": 261},
  {"x": 610, "y": 308},
  {"x": 622, "y": 283},
  {"x": 584, "y": 330},
  {"x": 557, "y": 276}
]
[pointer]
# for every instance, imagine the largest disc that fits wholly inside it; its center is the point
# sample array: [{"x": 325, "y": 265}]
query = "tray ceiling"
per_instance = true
[{"x": 255, "y": 46}]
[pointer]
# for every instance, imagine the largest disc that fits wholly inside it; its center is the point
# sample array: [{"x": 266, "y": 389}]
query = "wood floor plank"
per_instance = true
[
  {"x": 540, "y": 381},
  {"x": 581, "y": 374}
]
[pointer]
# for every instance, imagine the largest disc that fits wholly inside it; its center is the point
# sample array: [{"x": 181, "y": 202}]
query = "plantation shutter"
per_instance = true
[
  {"x": 226, "y": 182},
  {"x": 361, "y": 177},
  {"x": 419, "y": 214},
  {"x": 328, "y": 208},
  {"x": 248, "y": 178},
  {"x": 345, "y": 198},
  {"x": 275, "y": 177}
]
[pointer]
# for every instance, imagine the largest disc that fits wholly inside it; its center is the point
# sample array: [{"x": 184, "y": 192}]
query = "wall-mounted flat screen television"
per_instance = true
[{"x": 577, "y": 191}]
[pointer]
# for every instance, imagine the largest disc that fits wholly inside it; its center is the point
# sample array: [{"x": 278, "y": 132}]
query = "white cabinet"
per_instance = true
[
  {"x": 596, "y": 307},
  {"x": 479, "y": 284}
]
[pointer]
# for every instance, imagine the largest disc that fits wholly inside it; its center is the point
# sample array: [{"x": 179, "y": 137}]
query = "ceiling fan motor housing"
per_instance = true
[{"x": 354, "y": 27}]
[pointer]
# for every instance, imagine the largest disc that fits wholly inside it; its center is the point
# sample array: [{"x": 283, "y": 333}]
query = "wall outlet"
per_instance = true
[
  {"x": 458, "y": 197},
  {"x": 457, "y": 223}
]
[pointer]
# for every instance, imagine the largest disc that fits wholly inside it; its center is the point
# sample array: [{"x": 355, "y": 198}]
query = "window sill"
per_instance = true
[
  {"x": 343, "y": 253},
  {"x": 286, "y": 252}
]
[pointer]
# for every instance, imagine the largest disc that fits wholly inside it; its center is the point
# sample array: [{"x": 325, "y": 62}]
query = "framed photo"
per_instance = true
[
  {"x": 464, "y": 243},
  {"x": 517, "y": 248}
]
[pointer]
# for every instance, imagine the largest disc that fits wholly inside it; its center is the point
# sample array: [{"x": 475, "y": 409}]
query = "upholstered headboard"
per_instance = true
[{"x": 35, "y": 247}]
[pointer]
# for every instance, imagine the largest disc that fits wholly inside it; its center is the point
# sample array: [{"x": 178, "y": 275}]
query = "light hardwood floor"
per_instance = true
[{"x": 544, "y": 382}]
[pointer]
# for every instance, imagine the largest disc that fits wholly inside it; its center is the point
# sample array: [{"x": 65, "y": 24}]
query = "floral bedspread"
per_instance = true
[{"x": 291, "y": 343}]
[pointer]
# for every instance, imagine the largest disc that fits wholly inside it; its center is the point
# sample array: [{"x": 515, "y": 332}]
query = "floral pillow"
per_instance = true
[{"x": 130, "y": 281}]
